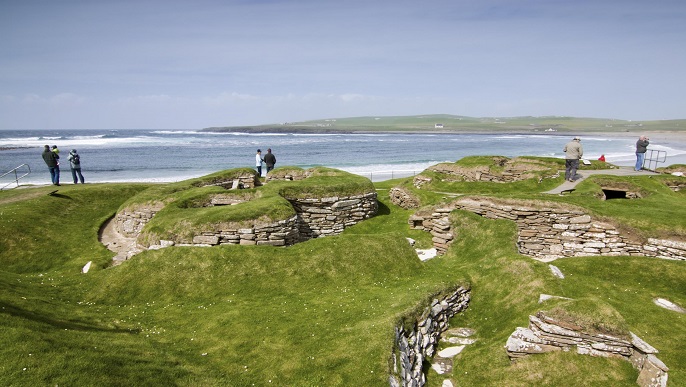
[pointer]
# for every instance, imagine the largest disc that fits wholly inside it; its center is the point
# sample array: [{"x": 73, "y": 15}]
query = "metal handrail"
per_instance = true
[
  {"x": 656, "y": 156},
  {"x": 392, "y": 173},
  {"x": 16, "y": 176}
]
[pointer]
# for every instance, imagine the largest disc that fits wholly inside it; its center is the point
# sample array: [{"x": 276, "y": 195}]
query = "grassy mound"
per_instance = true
[
  {"x": 591, "y": 316},
  {"x": 186, "y": 208},
  {"x": 318, "y": 313}
]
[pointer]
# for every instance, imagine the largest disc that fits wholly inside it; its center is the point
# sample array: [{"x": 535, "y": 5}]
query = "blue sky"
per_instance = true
[{"x": 193, "y": 64}]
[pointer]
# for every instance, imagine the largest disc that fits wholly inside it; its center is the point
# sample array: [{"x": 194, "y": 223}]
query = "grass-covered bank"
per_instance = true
[
  {"x": 447, "y": 123},
  {"x": 317, "y": 313}
]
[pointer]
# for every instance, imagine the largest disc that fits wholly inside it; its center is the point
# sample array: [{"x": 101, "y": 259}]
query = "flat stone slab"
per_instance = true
[
  {"x": 442, "y": 366},
  {"x": 545, "y": 297},
  {"x": 661, "y": 302},
  {"x": 458, "y": 340},
  {"x": 556, "y": 272},
  {"x": 451, "y": 351},
  {"x": 425, "y": 255},
  {"x": 462, "y": 332}
]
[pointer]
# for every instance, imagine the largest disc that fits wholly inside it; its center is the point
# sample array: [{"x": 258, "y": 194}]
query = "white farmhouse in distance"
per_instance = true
[{"x": 438, "y": 126}]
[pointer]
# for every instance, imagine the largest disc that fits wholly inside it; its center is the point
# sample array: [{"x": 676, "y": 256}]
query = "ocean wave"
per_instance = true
[{"x": 184, "y": 132}]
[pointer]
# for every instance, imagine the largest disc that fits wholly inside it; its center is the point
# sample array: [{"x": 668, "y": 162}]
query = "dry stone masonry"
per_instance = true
[
  {"x": 546, "y": 334},
  {"x": 418, "y": 342},
  {"x": 403, "y": 198},
  {"x": 281, "y": 233},
  {"x": 130, "y": 221},
  {"x": 549, "y": 231},
  {"x": 244, "y": 181},
  {"x": 438, "y": 224},
  {"x": 502, "y": 170},
  {"x": 314, "y": 218},
  {"x": 330, "y": 216}
]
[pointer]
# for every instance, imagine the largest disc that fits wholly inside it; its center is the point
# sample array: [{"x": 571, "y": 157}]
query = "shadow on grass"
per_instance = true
[
  {"x": 54, "y": 194},
  {"x": 383, "y": 209},
  {"x": 55, "y": 322}
]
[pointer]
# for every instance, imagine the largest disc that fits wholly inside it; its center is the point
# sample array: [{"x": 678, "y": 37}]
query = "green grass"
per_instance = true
[{"x": 318, "y": 313}]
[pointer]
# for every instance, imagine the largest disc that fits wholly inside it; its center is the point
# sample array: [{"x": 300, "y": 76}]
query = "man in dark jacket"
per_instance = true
[
  {"x": 52, "y": 161},
  {"x": 270, "y": 160},
  {"x": 641, "y": 148}
]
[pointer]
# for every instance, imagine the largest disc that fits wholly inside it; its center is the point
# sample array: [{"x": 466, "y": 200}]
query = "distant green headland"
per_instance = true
[{"x": 433, "y": 123}]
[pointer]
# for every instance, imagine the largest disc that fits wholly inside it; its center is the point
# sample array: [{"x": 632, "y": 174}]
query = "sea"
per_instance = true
[{"x": 176, "y": 155}]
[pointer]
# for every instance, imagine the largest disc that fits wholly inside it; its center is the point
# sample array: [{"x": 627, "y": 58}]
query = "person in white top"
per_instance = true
[{"x": 258, "y": 162}]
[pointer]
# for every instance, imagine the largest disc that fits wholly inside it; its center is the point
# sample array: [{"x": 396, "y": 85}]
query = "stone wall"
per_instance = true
[
  {"x": 403, "y": 198},
  {"x": 130, "y": 221},
  {"x": 502, "y": 170},
  {"x": 281, "y": 233},
  {"x": 551, "y": 231},
  {"x": 314, "y": 218},
  {"x": 548, "y": 232},
  {"x": 676, "y": 185},
  {"x": 545, "y": 334},
  {"x": 246, "y": 181},
  {"x": 438, "y": 224},
  {"x": 330, "y": 216},
  {"x": 413, "y": 345}
]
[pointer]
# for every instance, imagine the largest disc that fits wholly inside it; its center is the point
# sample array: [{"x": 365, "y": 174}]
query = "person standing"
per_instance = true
[
  {"x": 641, "y": 148},
  {"x": 258, "y": 162},
  {"x": 57, "y": 155},
  {"x": 75, "y": 164},
  {"x": 51, "y": 160},
  {"x": 269, "y": 160},
  {"x": 573, "y": 153}
]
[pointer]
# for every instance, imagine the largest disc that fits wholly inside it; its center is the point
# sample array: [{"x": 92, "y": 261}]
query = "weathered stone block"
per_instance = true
[{"x": 205, "y": 240}]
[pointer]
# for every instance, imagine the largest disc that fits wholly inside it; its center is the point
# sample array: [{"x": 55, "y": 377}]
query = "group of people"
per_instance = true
[
  {"x": 574, "y": 151},
  {"x": 269, "y": 160},
  {"x": 51, "y": 156}
]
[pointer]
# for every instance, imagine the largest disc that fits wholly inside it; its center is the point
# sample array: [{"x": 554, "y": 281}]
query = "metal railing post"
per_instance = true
[
  {"x": 16, "y": 176},
  {"x": 652, "y": 160}
]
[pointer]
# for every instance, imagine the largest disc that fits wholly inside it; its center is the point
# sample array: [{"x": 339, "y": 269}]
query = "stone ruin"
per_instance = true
[
  {"x": 314, "y": 217},
  {"x": 547, "y": 231},
  {"x": 618, "y": 190},
  {"x": 243, "y": 181},
  {"x": 676, "y": 185},
  {"x": 403, "y": 198},
  {"x": 501, "y": 170},
  {"x": 417, "y": 340},
  {"x": 546, "y": 334}
]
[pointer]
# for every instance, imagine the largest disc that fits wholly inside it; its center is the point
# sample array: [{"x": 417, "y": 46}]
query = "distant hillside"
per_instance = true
[{"x": 451, "y": 123}]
